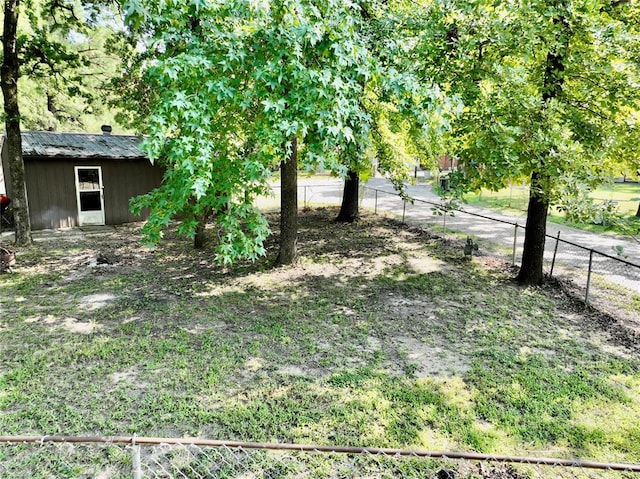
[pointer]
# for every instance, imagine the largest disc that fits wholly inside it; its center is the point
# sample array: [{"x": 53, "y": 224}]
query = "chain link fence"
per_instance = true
[
  {"x": 167, "y": 458},
  {"x": 329, "y": 194},
  {"x": 611, "y": 280}
]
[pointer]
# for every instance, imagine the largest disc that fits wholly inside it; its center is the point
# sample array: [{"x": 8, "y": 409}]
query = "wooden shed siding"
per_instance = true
[
  {"x": 52, "y": 190},
  {"x": 123, "y": 180},
  {"x": 6, "y": 172},
  {"x": 51, "y": 194}
]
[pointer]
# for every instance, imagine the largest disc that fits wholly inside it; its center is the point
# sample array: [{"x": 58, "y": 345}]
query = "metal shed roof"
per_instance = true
[{"x": 48, "y": 144}]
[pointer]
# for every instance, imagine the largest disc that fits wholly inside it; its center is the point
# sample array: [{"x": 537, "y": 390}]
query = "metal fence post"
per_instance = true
[
  {"x": 555, "y": 251},
  {"x": 444, "y": 221},
  {"x": 305, "y": 196},
  {"x": 515, "y": 244},
  {"x": 135, "y": 459},
  {"x": 375, "y": 207},
  {"x": 586, "y": 296},
  {"x": 404, "y": 208}
]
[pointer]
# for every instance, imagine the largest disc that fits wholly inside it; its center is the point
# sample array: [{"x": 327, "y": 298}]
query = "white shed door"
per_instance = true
[{"x": 90, "y": 196}]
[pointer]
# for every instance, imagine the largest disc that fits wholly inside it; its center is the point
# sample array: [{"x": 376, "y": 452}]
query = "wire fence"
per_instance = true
[
  {"x": 168, "y": 458},
  {"x": 611, "y": 280},
  {"x": 598, "y": 275}
]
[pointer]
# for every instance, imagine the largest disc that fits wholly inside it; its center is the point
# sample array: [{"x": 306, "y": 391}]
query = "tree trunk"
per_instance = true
[
  {"x": 9, "y": 77},
  {"x": 638, "y": 212},
  {"x": 289, "y": 207},
  {"x": 53, "y": 109},
  {"x": 349, "y": 209},
  {"x": 199, "y": 238},
  {"x": 531, "y": 269}
]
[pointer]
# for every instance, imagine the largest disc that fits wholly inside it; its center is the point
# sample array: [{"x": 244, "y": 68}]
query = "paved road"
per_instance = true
[
  {"x": 379, "y": 193},
  {"x": 598, "y": 241}
]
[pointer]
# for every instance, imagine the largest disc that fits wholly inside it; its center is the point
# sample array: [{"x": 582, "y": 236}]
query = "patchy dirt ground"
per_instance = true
[
  {"x": 381, "y": 335},
  {"x": 337, "y": 253}
]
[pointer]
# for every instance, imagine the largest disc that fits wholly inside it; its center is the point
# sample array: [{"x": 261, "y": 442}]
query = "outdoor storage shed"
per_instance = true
[{"x": 77, "y": 179}]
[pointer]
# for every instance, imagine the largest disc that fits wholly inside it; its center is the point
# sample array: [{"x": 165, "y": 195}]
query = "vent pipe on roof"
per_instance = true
[{"x": 106, "y": 129}]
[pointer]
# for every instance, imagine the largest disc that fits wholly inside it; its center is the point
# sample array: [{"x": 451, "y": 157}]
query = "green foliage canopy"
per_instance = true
[
  {"x": 495, "y": 55},
  {"x": 227, "y": 84},
  {"x": 63, "y": 50}
]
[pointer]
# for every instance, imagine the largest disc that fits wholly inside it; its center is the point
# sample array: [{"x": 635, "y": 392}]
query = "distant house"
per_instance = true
[
  {"x": 77, "y": 179},
  {"x": 447, "y": 163}
]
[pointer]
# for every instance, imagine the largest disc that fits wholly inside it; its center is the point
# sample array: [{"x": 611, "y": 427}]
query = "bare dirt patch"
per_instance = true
[
  {"x": 329, "y": 252},
  {"x": 431, "y": 360}
]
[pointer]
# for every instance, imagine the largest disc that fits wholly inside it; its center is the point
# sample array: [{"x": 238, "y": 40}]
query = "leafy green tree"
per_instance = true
[
  {"x": 550, "y": 89},
  {"x": 69, "y": 95},
  {"x": 407, "y": 115},
  {"x": 228, "y": 90},
  {"x": 44, "y": 47}
]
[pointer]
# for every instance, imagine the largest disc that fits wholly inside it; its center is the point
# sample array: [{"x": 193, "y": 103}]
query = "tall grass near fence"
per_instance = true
[{"x": 612, "y": 208}]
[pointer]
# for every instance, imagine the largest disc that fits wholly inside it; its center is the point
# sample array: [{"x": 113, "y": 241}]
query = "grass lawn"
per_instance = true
[
  {"x": 516, "y": 198},
  {"x": 380, "y": 336}
]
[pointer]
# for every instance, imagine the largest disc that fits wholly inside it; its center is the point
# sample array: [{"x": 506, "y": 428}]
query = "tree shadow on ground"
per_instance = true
[{"x": 366, "y": 325}]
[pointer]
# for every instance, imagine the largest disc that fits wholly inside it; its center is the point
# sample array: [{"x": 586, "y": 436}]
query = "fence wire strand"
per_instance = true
[
  {"x": 162, "y": 458},
  {"x": 609, "y": 280}
]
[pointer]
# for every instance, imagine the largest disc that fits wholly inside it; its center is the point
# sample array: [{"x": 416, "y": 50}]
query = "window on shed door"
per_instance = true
[
  {"x": 88, "y": 179},
  {"x": 90, "y": 201},
  {"x": 89, "y": 185}
]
